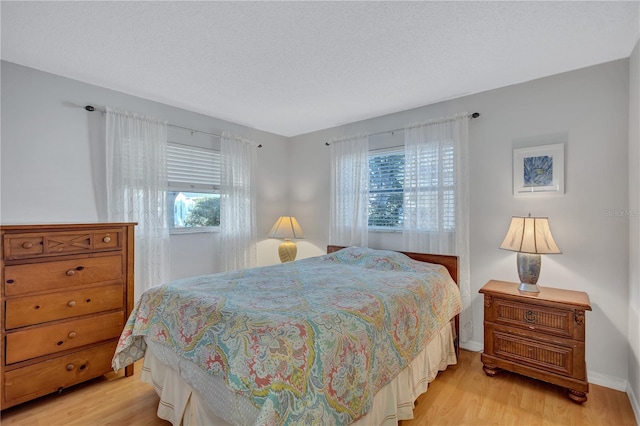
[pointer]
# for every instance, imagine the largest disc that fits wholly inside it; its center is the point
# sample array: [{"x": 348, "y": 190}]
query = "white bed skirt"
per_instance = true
[{"x": 189, "y": 396}]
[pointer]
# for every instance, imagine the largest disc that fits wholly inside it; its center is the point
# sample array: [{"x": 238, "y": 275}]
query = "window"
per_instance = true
[
  {"x": 430, "y": 182},
  {"x": 434, "y": 188},
  {"x": 386, "y": 180},
  {"x": 193, "y": 198}
]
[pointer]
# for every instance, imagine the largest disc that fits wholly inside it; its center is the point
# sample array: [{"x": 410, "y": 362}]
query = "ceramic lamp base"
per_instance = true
[
  {"x": 287, "y": 251},
  {"x": 529, "y": 272}
]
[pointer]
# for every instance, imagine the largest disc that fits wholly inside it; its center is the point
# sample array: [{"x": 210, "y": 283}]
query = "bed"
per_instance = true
[{"x": 351, "y": 337}]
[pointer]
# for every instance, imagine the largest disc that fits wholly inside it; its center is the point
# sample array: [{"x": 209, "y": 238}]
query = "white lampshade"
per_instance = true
[
  {"x": 530, "y": 235},
  {"x": 286, "y": 227}
]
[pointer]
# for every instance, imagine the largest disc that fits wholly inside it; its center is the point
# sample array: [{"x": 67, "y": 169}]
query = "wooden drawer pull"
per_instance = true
[
  {"x": 71, "y": 303},
  {"x": 27, "y": 245},
  {"x": 72, "y": 334},
  {"x": 106, "y": 239},
  {"x": 530, "y": 317},
  {"x": 70, "y": 367},
  {"x": 72, "y": 272}
]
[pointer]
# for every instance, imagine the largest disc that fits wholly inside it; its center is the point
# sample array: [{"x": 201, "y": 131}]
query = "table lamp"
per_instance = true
[
  {"x": 530, "y": 237},
  {"x": 286, "y": 227}
]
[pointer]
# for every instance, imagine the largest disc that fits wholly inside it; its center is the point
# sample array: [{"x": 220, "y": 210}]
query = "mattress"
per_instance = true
[{"x": 189, "y": 396}]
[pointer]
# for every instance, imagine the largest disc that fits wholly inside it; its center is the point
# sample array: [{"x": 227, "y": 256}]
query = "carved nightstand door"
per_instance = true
[{"x": 540, "y": 335}]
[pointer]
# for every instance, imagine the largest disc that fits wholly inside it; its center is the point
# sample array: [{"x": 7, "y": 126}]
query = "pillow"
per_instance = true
[{"x": 383, "y": 260}]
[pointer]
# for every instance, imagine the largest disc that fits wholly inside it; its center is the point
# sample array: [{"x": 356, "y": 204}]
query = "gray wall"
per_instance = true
[
  {"x": 53, "y": 160},
  {"x": 587, "y": 108},
  {"x": 634, "y": 229}
]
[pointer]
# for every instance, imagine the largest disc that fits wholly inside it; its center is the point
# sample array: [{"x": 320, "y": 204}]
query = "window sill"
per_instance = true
[
  {"x": 194, "y": 230},
  {"x": 386, "y": 230}
]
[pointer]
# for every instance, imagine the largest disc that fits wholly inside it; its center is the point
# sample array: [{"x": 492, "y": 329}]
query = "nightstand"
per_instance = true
[{"x": 540, "y": 335}]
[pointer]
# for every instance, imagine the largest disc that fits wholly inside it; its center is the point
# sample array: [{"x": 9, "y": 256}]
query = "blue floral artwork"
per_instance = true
[{"x": 538, "y": 171}]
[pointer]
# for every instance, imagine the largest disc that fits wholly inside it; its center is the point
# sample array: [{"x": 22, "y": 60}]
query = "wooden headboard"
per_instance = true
[{"x": 449, "y": 262}]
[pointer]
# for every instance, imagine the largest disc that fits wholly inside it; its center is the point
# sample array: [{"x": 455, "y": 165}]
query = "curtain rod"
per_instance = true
[
  {"x": 473, "y": 115},
  {"x": 91, "y": 108}
]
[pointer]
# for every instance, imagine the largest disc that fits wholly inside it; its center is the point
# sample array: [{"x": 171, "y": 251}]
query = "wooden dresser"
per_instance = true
[
  {"x": 540, "y": 335},
  {"x": 67, "y": 291}
]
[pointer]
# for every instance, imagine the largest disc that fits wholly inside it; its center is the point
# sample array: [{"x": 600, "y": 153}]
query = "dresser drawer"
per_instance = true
[
  {"x": 22, "y": 345},
  {"x": 55, "y": 374},
  {"x": 30, "y": 310},
  {"x": 530, "y": 316},
  {"x": 36, "y": 277},
  {"x": 106, "y": 240},
  {"x": 25, "y": 245}
]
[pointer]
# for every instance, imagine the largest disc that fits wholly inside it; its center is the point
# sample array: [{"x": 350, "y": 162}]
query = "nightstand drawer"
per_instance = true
[
  {"x": 531, "y": 317},
  {"x": 56, "y": 337},
  {"x": 529, "y": 351},
  {"x": 31, "y": 310},
  {"x": 48, "y": 276}
]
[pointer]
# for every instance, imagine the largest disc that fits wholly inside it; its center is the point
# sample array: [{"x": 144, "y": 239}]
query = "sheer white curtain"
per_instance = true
[
  {"x": 238, "y": 230},
  {"x": 137, "y": 190},
  {"x": 436, "y": 197},
  {"x": 349, "y": 191}
]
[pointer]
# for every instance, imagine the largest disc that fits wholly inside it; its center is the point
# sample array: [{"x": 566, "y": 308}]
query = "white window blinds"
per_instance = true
[
  {"x": 192, "y": 169},
  {"x": 429, "y": 187}
]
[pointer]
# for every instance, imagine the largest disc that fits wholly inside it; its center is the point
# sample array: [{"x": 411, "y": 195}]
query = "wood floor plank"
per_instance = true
[
  {"x": 460, "y": 395},
  {"x": 512, "y": 399}
]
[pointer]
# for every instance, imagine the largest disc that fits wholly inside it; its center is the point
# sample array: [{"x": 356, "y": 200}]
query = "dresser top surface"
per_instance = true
[
  {"x": 570, "y": 297},
  {"x": 61, "y": 226}
]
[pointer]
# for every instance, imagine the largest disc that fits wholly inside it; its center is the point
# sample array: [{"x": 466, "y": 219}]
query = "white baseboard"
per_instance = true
[
  {"x": 635, "y": 403},
  {"x": 470, "y": 345},
  {"x": 608, "y": 381}
]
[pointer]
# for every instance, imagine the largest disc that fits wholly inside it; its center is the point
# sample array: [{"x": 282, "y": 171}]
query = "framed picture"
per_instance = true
[{"x": 538, "y": 169}]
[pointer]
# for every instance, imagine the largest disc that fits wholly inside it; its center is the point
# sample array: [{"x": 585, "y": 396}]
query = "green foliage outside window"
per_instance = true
[
  {"x": 206, "y": 212},
  {"x": 386, "y": 179}
]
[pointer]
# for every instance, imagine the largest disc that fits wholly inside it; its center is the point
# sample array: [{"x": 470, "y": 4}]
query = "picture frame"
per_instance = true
[{"x": 538, "y": 170}]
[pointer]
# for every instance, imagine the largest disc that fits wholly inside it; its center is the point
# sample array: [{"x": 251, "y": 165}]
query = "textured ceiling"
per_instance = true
[{"x": 295, "y": 67}]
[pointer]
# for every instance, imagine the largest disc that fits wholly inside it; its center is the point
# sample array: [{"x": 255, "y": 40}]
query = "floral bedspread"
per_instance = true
[{"x": 309, "y": 342}]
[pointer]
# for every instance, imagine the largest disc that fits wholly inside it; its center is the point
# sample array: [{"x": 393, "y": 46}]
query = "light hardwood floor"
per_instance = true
[{"x": 461, "y": 395}]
